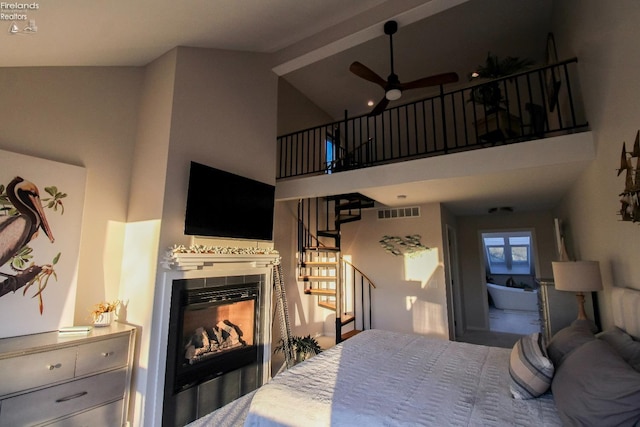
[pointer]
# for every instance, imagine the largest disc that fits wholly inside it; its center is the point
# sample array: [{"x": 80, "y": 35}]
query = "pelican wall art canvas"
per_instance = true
[{"x": 41, "y": 204}]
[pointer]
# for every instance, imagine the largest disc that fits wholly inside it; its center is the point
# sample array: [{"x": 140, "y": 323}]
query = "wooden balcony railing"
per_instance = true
[{"x": 536, "y": 103}]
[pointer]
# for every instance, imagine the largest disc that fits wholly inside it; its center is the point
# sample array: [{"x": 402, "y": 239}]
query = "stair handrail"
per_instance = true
[{"x": 359, "y": 271}]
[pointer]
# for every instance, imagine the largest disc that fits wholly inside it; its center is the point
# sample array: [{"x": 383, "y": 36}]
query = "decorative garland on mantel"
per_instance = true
[
  {"x": 220, "y": 250},
  {"x": 180, "y": 257}
]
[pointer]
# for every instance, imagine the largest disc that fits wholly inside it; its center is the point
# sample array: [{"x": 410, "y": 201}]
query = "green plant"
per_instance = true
[
  {"x": 302, "y": 347},
  {"x": 490, "y": 94}
]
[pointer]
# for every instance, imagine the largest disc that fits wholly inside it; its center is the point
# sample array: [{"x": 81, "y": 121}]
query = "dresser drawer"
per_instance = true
[
  {"x": 54, "y": 402},
  {"x": 100, "y": 355},
  {"x": 36, "y": 369},
  {"x": 103, "y": 416}
]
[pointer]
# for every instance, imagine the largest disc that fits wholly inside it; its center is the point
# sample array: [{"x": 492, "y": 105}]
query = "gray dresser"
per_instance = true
[{"x": 78, "y": 380}]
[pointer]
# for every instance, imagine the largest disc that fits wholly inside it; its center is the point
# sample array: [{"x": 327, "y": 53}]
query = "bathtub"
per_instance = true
[{"x": 506, "y": 298}]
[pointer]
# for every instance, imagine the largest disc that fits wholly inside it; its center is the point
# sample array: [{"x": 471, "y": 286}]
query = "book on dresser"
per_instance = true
[{"x": 74, "y": 330}]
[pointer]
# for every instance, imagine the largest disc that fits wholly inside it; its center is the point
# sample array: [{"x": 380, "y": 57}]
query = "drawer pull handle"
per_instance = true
[
  {"x": 52, "y": 367},
  {"x": 73, "y": 396},
  {"x": 107, "y": 354}
]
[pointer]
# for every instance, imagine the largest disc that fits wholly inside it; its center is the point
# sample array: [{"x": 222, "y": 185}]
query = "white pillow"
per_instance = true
[{"x": 530, "y": 369}]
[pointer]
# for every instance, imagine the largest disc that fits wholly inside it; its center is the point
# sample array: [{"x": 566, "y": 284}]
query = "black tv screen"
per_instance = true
[{"x": 223, "y": 204}]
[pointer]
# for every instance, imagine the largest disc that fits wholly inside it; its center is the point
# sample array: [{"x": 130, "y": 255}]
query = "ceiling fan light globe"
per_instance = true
[{"x": 393, "y": 94}]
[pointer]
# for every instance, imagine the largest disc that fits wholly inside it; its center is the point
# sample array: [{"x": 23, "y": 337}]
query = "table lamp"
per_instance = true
[{"x": 578, "y": 277}]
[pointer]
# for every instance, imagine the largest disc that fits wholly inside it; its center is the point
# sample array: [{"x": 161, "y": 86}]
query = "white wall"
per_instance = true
[
  {"x": 87, "y": 117},
  {"x": 603, "y": 35},
  {"x": 305, "y": 316},
  {"x": 411, "y": 291},
  {"x": 192, "y": 104},
  {"x": 295, "y": 112},
  {"x": 223, "y": 114},
  {"x": 410, "y": 294},
  {"x": 140, "y": 235}
]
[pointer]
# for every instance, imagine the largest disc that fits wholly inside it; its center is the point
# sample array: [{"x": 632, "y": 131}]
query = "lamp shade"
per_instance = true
[{"x": 577, "y": 276}]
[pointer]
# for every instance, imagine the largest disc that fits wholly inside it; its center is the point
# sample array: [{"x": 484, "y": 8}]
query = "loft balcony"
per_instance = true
[{"x": 539, "y": 103}]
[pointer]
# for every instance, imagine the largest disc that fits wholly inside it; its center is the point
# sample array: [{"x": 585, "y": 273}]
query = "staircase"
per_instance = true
[{"x": 324, "y": 272}]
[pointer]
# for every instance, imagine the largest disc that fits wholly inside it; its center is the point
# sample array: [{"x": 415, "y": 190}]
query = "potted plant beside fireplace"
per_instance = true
[
  {"x": 302, "y": 347},
  {"x": 498, "y": 122}
]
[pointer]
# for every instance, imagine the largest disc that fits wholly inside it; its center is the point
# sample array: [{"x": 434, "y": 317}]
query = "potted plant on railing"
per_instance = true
[
  {"x": 302, "y": 347},
  {"x": 498, "y": 122}
]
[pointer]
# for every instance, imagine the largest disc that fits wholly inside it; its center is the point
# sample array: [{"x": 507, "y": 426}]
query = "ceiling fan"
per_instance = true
[{"x": 392, "y": 87}]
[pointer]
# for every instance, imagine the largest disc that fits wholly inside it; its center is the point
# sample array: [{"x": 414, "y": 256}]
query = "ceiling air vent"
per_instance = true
[{"x": 393, "y": 213}]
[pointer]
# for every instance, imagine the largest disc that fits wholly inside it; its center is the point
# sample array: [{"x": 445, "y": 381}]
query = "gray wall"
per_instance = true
[{"x": 603, "y": 36}]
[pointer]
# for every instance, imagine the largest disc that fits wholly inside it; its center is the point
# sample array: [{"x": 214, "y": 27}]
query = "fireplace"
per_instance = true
[{"x": 214, "y": 350}]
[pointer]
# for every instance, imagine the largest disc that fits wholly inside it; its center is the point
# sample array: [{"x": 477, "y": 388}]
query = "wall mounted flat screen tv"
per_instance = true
[{"x": 223, "y": 204}]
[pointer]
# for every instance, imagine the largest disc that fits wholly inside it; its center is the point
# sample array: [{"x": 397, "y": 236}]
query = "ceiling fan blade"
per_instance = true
[
  {"x": 378, "y": 109},
  {"x": 438, "y": 79},
  {"x": 364, "y": 72}
]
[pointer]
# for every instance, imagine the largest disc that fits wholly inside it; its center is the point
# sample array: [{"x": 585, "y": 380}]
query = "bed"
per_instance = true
[
  {"x": 381, "y": 378},
  {"x": 386, "y": 378}
]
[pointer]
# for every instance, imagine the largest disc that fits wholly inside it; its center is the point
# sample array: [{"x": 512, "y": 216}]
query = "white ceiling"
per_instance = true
[{"x": 312, "y": 43}]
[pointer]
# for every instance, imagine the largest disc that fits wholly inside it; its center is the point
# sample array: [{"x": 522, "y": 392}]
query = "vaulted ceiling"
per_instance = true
[{"x": 312, "y": 43}]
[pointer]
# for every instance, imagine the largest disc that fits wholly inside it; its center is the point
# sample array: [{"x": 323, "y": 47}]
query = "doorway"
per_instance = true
[{"x": 510, "y": 277}]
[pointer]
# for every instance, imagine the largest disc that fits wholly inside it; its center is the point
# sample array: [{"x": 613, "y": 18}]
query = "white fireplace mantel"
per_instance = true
[
  {"x": 201, "y": 265},
  {"x": 204, "y": 261}
]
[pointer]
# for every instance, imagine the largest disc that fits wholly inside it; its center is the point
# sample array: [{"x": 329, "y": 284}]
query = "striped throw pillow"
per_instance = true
[{"x": 530, "y": 369}]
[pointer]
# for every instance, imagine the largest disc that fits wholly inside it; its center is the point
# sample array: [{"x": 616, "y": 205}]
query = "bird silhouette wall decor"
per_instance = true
[{"x": 23, "y": 219}]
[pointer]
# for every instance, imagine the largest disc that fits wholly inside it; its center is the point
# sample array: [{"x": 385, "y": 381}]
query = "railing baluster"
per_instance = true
[
  {"x": 382, "y": 132},
  {"x": 464, "y": 121},
  {"x": 570, "y": 97},
  {"x": 362, "y": 300},
  {"x": 415, "y": 126},
  {"x": 424, "y": 126},
  {"x": 433, "y": 126},
  {"x": 443, "y": 113},
  {"x": 453, "y": 116}
]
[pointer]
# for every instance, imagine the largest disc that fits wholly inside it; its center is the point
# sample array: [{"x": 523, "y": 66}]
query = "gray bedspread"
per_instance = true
[{"x": 380, "y": 378}]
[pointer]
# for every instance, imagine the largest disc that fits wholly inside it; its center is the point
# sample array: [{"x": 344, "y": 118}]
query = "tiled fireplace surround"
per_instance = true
[{"x": 235, "y": 268}]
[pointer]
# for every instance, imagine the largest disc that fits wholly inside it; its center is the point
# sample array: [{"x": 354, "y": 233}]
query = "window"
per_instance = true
[
  {"x": 508, "y": 253},
  {"x": 330, "y": 154}
]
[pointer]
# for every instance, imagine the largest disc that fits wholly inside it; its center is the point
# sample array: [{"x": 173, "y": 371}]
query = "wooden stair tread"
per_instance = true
[
  {"x": 321, "y": 249},
  {"x": 318, "y": 263},
  {"x": 317, "y": 278},
  {"x": 328, "y": 233},
  {"x": 346, "y": 319},
  {"x": 313, "y": 291},
  {"x": 350, "y": 334},
  {"x": 327, "y": 305}
]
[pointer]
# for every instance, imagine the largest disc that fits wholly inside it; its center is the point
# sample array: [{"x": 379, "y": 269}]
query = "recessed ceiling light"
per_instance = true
[{"x": 370, "y": 103}]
